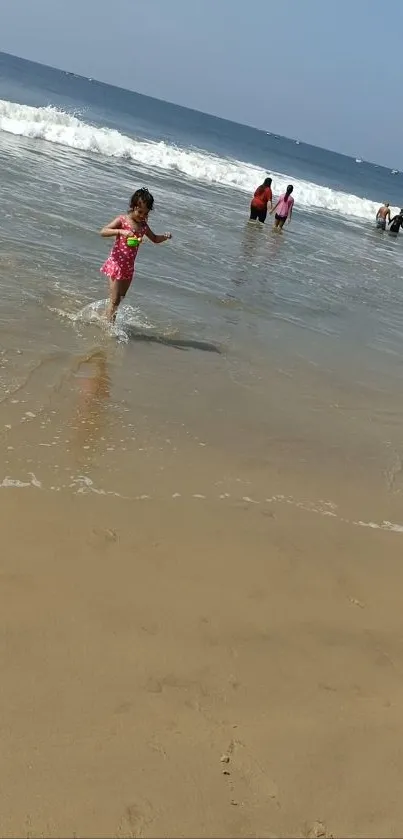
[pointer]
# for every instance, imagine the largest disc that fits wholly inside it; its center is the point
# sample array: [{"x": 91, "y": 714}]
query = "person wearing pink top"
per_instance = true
[{"x": 283, "y": 209}]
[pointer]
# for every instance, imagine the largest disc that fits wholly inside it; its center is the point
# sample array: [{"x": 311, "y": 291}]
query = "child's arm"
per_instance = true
[
  {"x": 114, "y": 228},
  {"x": 157, "y": 238},
  {"x": 273, "y": 209}
]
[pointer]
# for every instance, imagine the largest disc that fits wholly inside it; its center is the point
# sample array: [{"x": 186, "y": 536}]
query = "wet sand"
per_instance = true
[
  {"x": 200, "y": 626},
  {"x": 175, "y": 669}
]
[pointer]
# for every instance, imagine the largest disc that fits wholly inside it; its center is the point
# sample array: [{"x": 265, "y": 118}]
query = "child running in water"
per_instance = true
[{"x": 119, "y": 266}]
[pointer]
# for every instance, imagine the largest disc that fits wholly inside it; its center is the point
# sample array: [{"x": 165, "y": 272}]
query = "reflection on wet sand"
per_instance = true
[
  {"x": 254, "y": 240},
  {"x": 250, "y": 242},
  {"x": 94, "y": 391}
]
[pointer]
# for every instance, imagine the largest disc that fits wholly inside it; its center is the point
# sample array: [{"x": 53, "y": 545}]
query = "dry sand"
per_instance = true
[{"x": 187, "y": 669}]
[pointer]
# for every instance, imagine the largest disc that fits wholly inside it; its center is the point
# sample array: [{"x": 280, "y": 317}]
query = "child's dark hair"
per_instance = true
[{"x": 142, "y": 195}]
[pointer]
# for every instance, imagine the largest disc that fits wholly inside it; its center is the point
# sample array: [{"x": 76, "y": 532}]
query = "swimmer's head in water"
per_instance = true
[
  {"x": 386, "y": 204},
  {"x": 289, "y": 190},
  {"x": 267, "y": 182},
  {"x": 401, "y": 213}
]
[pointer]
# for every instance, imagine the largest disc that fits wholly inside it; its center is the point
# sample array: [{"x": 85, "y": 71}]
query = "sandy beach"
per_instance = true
[
  {"x": 197, "y": 668},
  {"x": 199, "y": 618}
]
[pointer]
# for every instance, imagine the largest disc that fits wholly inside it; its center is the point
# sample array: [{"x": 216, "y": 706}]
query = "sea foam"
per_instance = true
[{"x": 57, "y": 126}]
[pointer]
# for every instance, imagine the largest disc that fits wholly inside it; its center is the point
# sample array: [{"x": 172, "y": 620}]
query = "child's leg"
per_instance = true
[
  {"x": 117, "y": 291},
  {"x": 115, "y": 297},
  {"x": 124, "y": 288}
]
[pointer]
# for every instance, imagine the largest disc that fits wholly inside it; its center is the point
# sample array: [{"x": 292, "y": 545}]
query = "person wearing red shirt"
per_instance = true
[{"x": 260, "y": 200}]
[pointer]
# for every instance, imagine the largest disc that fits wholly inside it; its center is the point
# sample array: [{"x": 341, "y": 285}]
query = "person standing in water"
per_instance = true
[
  {"x": 128, "y": 230},
  {"x": 283, "y": 209},
  {"x": 382, "y": 216},
  {"x": 396, "y": 223},
  {"x": 260, "y": 200}
]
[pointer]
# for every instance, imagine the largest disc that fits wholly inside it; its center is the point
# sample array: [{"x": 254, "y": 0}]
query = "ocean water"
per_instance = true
[{"x": 277, "y": 352}]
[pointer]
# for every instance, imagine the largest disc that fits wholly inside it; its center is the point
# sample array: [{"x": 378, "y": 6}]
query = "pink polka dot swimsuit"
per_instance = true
[{"x": 120, "y": 262}]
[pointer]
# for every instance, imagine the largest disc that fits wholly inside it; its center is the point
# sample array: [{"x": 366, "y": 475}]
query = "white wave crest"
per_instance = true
[{"x": 57, "y": 126}]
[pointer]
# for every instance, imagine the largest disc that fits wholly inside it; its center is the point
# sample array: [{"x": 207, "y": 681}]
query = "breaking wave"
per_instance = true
[{"x": 60, "y": 127}]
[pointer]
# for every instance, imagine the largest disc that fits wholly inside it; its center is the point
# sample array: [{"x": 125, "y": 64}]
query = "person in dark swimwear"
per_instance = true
[
  {"x": 382, "y": 216},
  {"x": 396, "y": 223},
  {"x": 260, "y": 200}
]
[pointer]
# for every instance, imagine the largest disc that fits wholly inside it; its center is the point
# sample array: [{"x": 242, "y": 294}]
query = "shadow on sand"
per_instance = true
[{"x": 172, "y": 341}]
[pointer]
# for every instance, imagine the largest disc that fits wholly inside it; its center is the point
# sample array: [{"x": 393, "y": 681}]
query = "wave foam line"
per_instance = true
[
  {"x": 82, "y": 484},
  {"x": 62, "y": 128}
]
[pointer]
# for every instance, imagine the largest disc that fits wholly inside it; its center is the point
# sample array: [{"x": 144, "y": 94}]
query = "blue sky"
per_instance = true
[{"x": 321, "y": 71}]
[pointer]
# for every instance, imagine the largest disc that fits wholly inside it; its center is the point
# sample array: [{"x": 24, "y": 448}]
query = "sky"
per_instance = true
[{"x": 324, "y": 72}]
